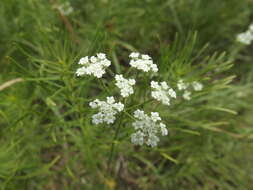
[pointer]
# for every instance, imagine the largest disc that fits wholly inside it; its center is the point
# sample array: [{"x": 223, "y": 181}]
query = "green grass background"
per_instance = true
[{"x": 46, "y": 139}]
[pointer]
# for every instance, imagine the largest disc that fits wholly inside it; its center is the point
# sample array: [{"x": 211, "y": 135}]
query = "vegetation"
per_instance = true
[{"x": 47, "y": 139}]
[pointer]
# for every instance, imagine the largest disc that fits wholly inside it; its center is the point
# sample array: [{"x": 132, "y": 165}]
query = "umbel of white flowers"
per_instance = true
[
  {"x": 246, "y": 37},
  {"x": 107, "y": 110},
  {"x": 94, "y": 65},
  {"x": 162, "y": 92},
  {"x": 142, "y": 62},
  {"x": 185, "y": 87},
  {"x": 125, "y": 85},
  {"x": 147, "y": 128},
  {"x": 64, "y": 8}
]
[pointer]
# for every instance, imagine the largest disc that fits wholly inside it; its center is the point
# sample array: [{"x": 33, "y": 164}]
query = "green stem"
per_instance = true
[
  {"x": 129, "y": 115},
  {"x": 113, "y": 144},
  {"x": 150, "y": 100}
]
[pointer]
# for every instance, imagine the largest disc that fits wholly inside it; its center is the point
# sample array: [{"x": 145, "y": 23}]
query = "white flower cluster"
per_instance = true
[
  {"x": 107, "y": 110},
  {"x": 147, "y": 128},
  {"x": 94, "y": 65},
  {"x": 197, "y": 86},
  {"x": 125, "y": 85},
  {"x": 181, "y": 85},
  {"x": 162, "y": 92},
  {"x": 246, "y": 37},
  {"x": 142, "y": 62},
  {"x": 65, "y": 8}
]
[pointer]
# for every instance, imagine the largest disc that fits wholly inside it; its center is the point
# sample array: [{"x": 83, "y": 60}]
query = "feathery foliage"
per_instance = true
[{"x": 47, "y": 140}]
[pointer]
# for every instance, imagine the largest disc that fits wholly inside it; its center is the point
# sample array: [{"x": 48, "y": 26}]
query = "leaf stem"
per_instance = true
[{"x": 109, "y": 162}]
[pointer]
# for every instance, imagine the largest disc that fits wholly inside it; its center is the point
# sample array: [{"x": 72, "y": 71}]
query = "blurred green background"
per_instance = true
[{"x": 46, "y": 139}]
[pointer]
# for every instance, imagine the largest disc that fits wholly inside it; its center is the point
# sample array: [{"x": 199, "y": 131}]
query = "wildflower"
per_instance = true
[
  {"x": 147, "y": 128},
  {"x": 187, "y": 95},
  {"x": 181, "y": 85},
  {"x": 142, "y": 62},
  {"x": 162, "y": 92},
  {"x": 107, "y": 110},
  {"x": 83, "y": 60},
  {"x": 134, "y": 55},
  {"x": 94, "y": 65},
  {"x": 65, "y": 8},
  {"x": 197, "y": 86},
  {"x": 246, "y": 37},
  {"x": 251, "y": 28},
  {"x": 125, "y": 85}
]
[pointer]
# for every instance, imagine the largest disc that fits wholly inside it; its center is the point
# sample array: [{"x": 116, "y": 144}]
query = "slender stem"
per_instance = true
[
  {"x": 113, "y": 144},
  {"x": 115, "y": 138},
  {"x": 67, "y": 24},
  {"x": 129, "y": 115},
  {"x": 150, "y": 100}
]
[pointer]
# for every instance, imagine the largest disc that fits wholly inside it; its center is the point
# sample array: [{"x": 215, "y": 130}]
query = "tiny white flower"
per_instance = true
[
  {"x": 155, "y": 116},
  {"x": 246, "y": 37},
  {"x": 154, "y": 68},
  {"x": 251, "y": 27},
  {"x": 65, "y": 8},
  {"x": 84, "y": 60},
  {"x": 145, "y": 57},
  {"x": 137, "y": 138},
  {"x": 101, "y": 56},
  {"x": 93, "y": 59},
  {"x": 107, "y": 110},
  {"x": 147, "y": 128},
  {"x": 110, "y": 100},
  {"x": 134, "y": 55},
  {"x": 152, "y": 140},
  {"x": 181, "y": 85},
  {"x": 80, "y": 71},
  {"x": 142, "y": 62},
  {"x": 119, "y": 106},
  {"x": 154, "y": 84},
  {"x": 164, "y": 85},
  {"x": 125, "y": 85},
  {"x": 139, "y": 113},
  {"x": 172, "y": 93},
  {"x": 162, "y": 92},
  {"x": 187, "y": 95},
  {"x": 94, "y": 104},
  {"x": 197, "y": 86},
  {"x": 93, "y": 66},
  {"x": 164, "y": 130}
]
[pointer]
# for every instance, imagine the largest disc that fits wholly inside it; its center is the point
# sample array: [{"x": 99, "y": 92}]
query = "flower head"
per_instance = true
[
  {"x": 142, "y": 62},
  {"x": 147, "y": 128},
  {"x": 187, "y": 95},
  {"x": 181, "y": 85},
  {"x": 187, "y": 87},
  {"x": 65, "y": 8},
  {"x": 94, "y": 65},
  {"x": 107, "y": 110},
  {"x": 162, "y": 92},
  {"x": 125, "y": 85},
  {"x": 197, "y": 86},
  {"x": 246, "y": 37}
]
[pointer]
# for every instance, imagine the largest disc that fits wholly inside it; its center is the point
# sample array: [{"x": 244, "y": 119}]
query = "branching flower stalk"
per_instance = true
[
  {"x": 112, "y": 149},
  {"x": 147, "y": 127}
]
